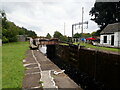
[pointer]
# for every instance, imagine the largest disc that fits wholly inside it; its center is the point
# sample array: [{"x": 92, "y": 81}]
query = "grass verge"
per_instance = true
[
  {"x": 0, "y": 67},
  {"x": 12, "y": 67},
  {"x": 96, "y": 47}
]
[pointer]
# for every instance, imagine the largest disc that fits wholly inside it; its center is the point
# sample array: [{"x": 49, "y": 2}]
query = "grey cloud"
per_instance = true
[{"x": 47, "y": 16}]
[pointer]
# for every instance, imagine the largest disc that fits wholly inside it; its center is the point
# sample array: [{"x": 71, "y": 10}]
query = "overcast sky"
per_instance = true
[{"x": 47, "y": 16}]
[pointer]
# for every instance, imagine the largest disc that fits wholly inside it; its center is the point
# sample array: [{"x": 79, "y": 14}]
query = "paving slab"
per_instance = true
[
  {"x": 32, "y": 70},
  {"x": 42, "y": 72},
  {"x": 29, "y": 58},
  {"x": 32, "y": 73},
  {"x": 31, "y": 66},
  {"x": 47, "y": 80},
  {"x": 31, "y": 81},
  {"x": 64, "y": 82}
]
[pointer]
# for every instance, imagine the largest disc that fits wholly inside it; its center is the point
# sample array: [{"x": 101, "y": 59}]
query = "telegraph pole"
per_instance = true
[
  {"x": 82, "y": 19},
  {"x": 64, "y": 28},
  {"x": 80, "y": 23}
]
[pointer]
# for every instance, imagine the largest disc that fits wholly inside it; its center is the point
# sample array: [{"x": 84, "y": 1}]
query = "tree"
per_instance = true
[
  {"x": 57, "y": 34},
  {"x": 86, "y": 35},
  {"x": 63, "y": 38},
  {"x": 48, "y": 36},
  {"x": 4, "y": 19},
  {"x": 97, "y": 33},
  {"x": 60, "y": 36},
  {"x": 105, "y": 13},
  {"x": 4, "y": 36},
  {"x": 10, "y": 30},
  {"x": 77, "y": 35},
  {"x": 31, "y": 33},
  {"x": 83, "y": 35}
]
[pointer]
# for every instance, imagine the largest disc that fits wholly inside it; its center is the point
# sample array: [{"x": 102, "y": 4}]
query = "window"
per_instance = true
[{"x": 105, "y": 39}]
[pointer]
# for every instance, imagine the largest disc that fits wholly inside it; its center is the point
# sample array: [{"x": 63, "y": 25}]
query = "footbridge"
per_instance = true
[{"x": 34, "y": 43}]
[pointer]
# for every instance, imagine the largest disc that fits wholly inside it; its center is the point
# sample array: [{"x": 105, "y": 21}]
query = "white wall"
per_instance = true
[
  {"x": 117, "y": 39},
  {"x": 101, "y": 39},
  {"x": 108, "y": 39}
]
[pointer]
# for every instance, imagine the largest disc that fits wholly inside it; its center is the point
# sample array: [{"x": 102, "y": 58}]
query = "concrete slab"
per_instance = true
[
  {"x": 31, "y": 81},
  {"x": 47, "y": 80},
  {"x": 43, "y": 72},
  {"x": 32, "y": 66},
  {"x": 33, "y": 70},
  {"x": 63, "y": 81}
]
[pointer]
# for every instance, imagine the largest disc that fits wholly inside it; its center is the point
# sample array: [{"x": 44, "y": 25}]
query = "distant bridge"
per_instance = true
[{"x": 34, "y": 43}]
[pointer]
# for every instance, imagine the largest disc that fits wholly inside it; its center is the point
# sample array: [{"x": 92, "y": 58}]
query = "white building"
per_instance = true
[{"x": 110, "y": 36}]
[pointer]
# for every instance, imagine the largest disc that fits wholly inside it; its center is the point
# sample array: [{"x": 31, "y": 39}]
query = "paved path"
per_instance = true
[{"x": 42, "y": 73}]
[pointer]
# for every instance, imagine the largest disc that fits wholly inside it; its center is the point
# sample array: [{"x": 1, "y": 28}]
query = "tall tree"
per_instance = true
[
  {"x": 60, "y": 36},
  {"x": 77, "y": 35},
  {"x": 97, "y": 33},
  {"x": 10, "y": 30},
  {"x": 105, "y": 13},
  {"x": 48, "y": 36},
  {"x": 57, "y": 34},
  {"x": 83, "y": 35}
]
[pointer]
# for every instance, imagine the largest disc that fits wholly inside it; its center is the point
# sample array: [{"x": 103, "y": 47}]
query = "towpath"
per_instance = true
[{"x": 41, "y": 73}]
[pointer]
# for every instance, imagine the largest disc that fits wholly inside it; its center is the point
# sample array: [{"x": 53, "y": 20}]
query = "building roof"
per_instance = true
[{"x": 111, "y": 28}]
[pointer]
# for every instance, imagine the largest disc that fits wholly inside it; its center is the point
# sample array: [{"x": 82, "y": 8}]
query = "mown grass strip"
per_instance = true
[
  {"x": 96, "y": 47},
  {"x": 0, "y": 67},
  {"x": 12, "y": 67},
  {"x": 64, "y": 44}
]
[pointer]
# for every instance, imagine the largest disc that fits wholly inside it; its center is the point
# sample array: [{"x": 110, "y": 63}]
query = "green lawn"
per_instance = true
[
  {"x": 96, "y": 47},
  {"x": 12, "y": 67},
  {"x": 64, "y": 44},
  {"x": 0, "y": 67},
  {"x": 93, "y": 47}
]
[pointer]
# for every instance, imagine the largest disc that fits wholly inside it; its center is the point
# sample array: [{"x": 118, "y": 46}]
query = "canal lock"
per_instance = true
[{"x": 82, "y": 79}]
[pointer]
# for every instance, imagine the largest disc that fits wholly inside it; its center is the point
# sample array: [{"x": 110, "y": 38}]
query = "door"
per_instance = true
[{"x": 112, "y": 40}]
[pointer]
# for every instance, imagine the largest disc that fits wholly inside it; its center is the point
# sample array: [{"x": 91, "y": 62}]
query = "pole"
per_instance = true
[
  {"x": 72, "y": 30},
  {"x": 64, "y": 28},
  {"x": 82, "y": 19}
]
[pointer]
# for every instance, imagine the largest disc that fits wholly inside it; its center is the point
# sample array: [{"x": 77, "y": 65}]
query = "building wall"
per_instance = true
[
  {"x": 108, "y": 39},
  {"x": 21, "y": 38},
  {"x": 117, "y": 39}
]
